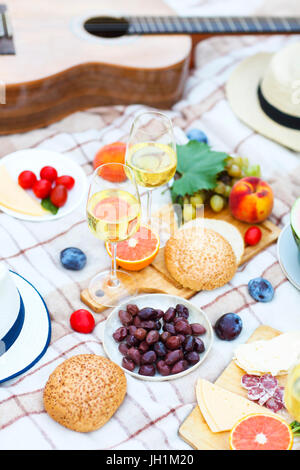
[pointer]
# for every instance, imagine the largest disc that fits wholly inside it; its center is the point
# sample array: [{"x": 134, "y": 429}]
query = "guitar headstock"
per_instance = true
[{"x": 6, "y": 34}]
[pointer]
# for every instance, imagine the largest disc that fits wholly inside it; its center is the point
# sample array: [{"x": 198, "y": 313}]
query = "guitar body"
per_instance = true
[{"x": 60, "y": 68}]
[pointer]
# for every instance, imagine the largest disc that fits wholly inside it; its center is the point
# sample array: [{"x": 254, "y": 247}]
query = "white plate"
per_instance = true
[
  {"x": 33, "y": 341},
  {"x": 289, "y": 256},
  {"x": 35, "y": 160},
  {"x": 163, "y": 302}
]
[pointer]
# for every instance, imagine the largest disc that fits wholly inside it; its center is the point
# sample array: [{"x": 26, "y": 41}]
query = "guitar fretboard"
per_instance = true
[{"x": 212, "y": 25}]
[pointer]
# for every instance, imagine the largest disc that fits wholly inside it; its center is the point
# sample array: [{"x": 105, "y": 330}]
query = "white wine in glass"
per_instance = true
[
  {"x": 151, "y": 152},
  {"x": 113, "y": 215}
]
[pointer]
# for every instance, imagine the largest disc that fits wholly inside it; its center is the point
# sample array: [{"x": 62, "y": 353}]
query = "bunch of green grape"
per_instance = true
[{"x": 236, "y": 168}]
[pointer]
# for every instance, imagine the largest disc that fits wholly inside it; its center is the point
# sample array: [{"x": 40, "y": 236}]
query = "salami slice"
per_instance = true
[
  {"x": 255, "y": 393},
  {"x": 269, "y": 382},
  {"x": 249, "y": 381},
  {"x": 274, "y": 405},
  {"x": 279, "y": 394},
  {"x": 264, "y": 398}
]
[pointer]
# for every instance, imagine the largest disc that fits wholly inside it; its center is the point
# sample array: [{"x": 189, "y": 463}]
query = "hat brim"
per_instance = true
[
  {"x": 241, "y": 90},
  {"x": 34, "y": 338}
]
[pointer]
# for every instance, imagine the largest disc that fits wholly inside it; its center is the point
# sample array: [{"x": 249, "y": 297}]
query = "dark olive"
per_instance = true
[
  {"x": 131, "y": 341},
  {"x": 198, "y": 329},
  {"x": 177, "y": 319},
  {"x": 181, "y": 337},
  {"x": 160, "y": 349},
  {"x": 164, "y": 336},
  {"x": 189, "y": 343},
  {"x": 173, "y": 342},
  {"x": 128, "y": 364},
  {"x": 123, "y": 348},
  {"x": 199, "y": 345},
  {"x": 137, "y": 321},
  {"x": 182, "y": 311},
  {"x": 192, "y": 357},
  {"x": 159, "y": 314},
  {"x": 148, "y": 324},
  {"x": 163, "y": 368},
  {"x": 135, "y": 355},
  {"x": 143, "y": 347},
  {"x": 120, "y": 334},
  {"x": 140, "y": 334},
  {"x": 170, "y": 328},
  {"x": 180, "y": 366},
  {"x": 148, "y": 357},
  {"x": 173, "y": 356},
  {"x": 132, "y": 329},
  {"x": 132, "y": 309},
  {"x": 147, "y": 313},
  {"x": 152, "y": 337},
  {"x": 125, "y": 318},
  {"x": 148, "y": 370},
  {"x": 183, "y": 327},
  {"x": 169, "y": 315}
]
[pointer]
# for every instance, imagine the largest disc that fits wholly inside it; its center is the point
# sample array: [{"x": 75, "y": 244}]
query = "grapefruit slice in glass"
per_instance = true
[
  {"x": 138, "y": 251},
  {"x": 261, "y": 432}
]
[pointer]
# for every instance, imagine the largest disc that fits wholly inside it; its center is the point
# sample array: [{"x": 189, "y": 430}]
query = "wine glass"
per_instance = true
[
  {"x": 113, "y": 215},
  {"x": 151, "y": 152}
]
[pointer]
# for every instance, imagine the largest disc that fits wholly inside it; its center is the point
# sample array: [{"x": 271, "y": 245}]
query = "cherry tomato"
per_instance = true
[
  {"x": 253, "y": 235},
  {"x": 66, "y": 180},
  {"x": 82, "y": 321},
  {"x": 48, "y": 173},
  {"x": 26, "y": 179},
  {"x": 59, "y": 195},
  {"x": 42, "y": 188}
]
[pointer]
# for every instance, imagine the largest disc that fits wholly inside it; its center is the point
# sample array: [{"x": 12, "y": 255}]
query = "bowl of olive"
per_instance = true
[{"x": 157, "y": 337}]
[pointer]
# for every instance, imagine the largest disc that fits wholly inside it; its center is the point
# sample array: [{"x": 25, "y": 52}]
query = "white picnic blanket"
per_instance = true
[{"x": 152, "y": 412}]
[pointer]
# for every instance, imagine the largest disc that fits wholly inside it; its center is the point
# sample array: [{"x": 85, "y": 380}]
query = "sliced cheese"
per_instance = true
[
  {"x": 274, "y": 356},
  {"x": 222, "y": 409},
  {"x": 13, "y": 197}
]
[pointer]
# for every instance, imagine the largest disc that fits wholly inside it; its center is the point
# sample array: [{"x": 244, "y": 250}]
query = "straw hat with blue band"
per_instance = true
[
  {"x": 264, "y": 92},
  {"x": 25, "y": 328},
  {"x": 10, "y": 337}
]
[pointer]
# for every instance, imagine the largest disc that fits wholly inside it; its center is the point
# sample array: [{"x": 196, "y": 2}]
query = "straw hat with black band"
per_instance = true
[{"x": 264, "y": 92}]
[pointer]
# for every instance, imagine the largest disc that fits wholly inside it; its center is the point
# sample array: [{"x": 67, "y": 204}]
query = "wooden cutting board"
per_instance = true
[
  {"x": 194, "y": 429},
  {"x": 156, "y": 278},
  {"x": 270, "y": 233}
]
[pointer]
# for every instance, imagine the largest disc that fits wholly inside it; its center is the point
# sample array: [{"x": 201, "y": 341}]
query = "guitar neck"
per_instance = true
[{"x": 212, "y": 25}]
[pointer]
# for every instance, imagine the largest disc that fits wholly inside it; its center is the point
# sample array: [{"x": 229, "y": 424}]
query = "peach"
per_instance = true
[
  {"x": 251, "y": 200},
  {"x": 112, "y": 153}
]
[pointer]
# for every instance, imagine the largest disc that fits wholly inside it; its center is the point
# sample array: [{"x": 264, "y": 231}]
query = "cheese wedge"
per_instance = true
[
  {"x": 13, "y": 197},
  {"x": 222, "y": 409},
  {"x": 274, "y": 356}
]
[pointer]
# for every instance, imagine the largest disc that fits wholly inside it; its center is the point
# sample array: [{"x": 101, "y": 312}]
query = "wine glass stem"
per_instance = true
[
  {"x": 114, "y": 281},
  {"x": 149, "y": 204}
]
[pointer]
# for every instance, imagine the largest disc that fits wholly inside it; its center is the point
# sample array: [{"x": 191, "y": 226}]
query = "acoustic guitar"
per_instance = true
[{"x": 57, "y": 57}]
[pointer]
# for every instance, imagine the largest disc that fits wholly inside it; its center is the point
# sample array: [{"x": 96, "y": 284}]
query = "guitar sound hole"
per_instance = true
[{"x": 106, "y": 27}]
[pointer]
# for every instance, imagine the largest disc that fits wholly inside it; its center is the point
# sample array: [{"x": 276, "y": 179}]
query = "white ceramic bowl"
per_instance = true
[{"x": 163, "y": 302}]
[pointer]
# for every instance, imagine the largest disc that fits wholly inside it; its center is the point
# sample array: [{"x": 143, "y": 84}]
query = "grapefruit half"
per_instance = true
[
  {"x": 261, "y": 432},
  {"x": 138, "y": 251}
]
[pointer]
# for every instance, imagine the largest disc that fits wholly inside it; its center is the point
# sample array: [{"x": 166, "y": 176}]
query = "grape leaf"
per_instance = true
[
  {"x": 49, "y": 206},
  {"x": 198, "y": 166}
]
